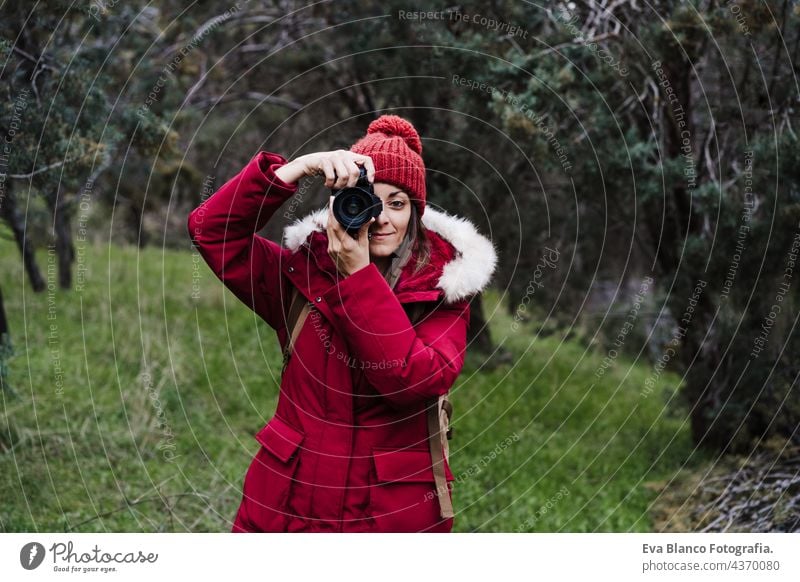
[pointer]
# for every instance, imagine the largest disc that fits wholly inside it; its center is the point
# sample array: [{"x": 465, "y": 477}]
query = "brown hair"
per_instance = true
[
  {"x": 414, "y": 244},
  {"x": 421, "y": 243}
]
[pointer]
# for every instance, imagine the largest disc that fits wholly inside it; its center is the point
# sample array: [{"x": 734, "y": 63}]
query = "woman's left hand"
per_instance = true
[{"x": 348, "y": 254}]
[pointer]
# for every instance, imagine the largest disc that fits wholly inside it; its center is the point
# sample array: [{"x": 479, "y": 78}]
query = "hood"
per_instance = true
[{"x": 462, "y": 259}]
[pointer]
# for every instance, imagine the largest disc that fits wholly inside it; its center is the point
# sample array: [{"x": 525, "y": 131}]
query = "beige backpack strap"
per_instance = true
[
  {"x": 298, "y": 310},
  {"x": 438, "y": 428},
  {"x": 444, "y": 420},
  {"x": 439, "y": 431}
]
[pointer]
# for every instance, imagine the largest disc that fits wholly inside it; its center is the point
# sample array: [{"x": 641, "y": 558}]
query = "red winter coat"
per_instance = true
[{"x": 347, "y": 448}]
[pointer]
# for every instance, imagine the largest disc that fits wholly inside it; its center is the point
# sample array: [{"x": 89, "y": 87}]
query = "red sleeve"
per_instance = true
[
  {"x": 223, "y": 229},
  {"x": 408, "y": 365}
]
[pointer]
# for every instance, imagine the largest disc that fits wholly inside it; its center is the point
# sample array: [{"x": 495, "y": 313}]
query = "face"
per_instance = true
[{"x": 390, "y": 227}]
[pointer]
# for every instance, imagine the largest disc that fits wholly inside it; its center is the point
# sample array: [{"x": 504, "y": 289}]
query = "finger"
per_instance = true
[
  {"x": 355, "y": 173},
  {"x": 342, "y": 173},
  {"x": 366, "y": 161},
  {"x": 370, "y": 169},
  {"x": 331, "y": 218},
  {"x": 334, "y": 228},
  {"x": 330, "y": 175},
  {"x": 363, "y": 234}
]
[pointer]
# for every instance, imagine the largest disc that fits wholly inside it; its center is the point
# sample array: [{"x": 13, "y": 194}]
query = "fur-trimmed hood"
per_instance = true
[{"x": 462, "y": 260}]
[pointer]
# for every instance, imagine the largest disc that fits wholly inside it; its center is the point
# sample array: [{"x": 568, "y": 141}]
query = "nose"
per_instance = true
[{"x": 382, "y": 218}]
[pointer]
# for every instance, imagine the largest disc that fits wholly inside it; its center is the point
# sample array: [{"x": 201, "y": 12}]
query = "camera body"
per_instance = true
[{"x": 352, "y": 207}]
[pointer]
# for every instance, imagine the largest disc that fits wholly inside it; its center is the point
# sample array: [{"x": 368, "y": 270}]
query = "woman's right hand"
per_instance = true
[{"x": 340, "y": 167}]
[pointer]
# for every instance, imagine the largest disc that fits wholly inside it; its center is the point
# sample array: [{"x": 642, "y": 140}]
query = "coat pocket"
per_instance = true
[
  {"x": 403, "y": 498},
  {"x": 269, "y": 479}
]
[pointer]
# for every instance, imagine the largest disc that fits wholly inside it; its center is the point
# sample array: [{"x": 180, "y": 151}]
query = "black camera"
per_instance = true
[{"x": 352, "y": 207}]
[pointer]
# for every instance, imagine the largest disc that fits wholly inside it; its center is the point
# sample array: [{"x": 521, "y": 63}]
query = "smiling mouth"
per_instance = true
[{"x": 374, "y": 234}]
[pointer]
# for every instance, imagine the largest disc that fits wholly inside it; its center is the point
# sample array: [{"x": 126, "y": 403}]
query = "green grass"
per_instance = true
[{"x": 161, "y": 392}]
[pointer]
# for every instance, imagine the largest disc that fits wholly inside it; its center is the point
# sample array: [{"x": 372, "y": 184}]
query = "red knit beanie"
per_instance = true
[{"x": 396, "y": 150}]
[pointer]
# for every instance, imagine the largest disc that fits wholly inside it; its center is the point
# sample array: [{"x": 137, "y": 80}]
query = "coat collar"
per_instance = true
[{"x": 462, "y": 259}]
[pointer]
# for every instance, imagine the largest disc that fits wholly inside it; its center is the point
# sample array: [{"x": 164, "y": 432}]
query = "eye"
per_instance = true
[{"x": 397, "y": 204}]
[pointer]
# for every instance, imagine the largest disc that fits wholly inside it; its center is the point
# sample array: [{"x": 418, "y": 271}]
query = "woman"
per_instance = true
[{"x": 348, "y": 449}]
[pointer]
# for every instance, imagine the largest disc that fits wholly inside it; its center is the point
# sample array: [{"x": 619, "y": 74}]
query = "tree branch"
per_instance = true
[
  {"x": 247, "y": 95},
  {"x": 39, "y": 171}
]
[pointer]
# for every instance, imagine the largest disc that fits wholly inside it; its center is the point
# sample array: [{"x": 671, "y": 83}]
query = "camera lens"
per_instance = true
[{"x": 353, "y": 206}]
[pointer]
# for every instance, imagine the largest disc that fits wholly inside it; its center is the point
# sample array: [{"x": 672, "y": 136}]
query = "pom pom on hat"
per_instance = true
[
  {"x": 396, "y": 150},
  {"x": 394, "y": 125}
]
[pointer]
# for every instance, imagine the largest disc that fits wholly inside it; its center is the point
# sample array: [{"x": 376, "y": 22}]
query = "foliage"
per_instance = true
[{"x": 156, "y": 432}]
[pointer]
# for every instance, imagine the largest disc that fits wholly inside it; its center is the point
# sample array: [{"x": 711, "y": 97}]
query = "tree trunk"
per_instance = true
[
  {"x": 65, "y": 250},
  {"x": 136, "y": 222},
  {"x": 478, "y": 335},
  {"x": 687, "y": 222},
  {"x": 5, "y": 349},
  {"x": 4, "y": 331},
  {"x": 11, "y": 215}
]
